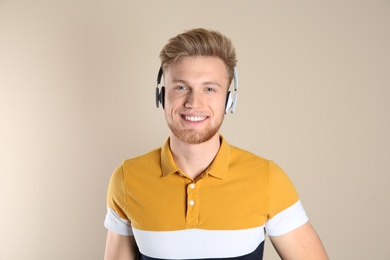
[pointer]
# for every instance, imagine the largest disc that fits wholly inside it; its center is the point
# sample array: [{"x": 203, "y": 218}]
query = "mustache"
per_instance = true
[{"x": 190, "y": 111}]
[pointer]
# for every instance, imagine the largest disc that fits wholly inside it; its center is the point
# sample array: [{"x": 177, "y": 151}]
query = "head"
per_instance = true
[{"x": 198, "y": 67}]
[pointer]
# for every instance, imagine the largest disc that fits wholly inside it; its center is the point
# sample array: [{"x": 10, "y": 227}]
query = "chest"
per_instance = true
[{"x": 176, "y": 202}]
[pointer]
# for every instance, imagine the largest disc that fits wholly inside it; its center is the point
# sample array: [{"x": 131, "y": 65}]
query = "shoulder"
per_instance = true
[
  {"x": 239, "y": 155},
  {"x": 150, "y": 159},
  {"x": 151, "y": 156},
  {"x": 244, "y": 160}
]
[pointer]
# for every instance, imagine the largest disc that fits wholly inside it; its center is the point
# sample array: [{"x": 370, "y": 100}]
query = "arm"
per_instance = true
[
  {"x": 119, "y": 247},
  {"x": 301, "y": 243}
]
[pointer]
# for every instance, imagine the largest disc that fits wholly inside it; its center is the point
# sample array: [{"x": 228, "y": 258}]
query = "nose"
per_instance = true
[{"x": 194, "y": 100}]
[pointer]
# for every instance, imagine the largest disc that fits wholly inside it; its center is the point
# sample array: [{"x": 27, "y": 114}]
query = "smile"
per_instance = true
[{"x": 195, "y": 118}]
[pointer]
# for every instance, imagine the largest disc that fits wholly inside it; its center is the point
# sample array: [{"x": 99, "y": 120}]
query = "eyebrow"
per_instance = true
[{"x": 175, "y": 81}]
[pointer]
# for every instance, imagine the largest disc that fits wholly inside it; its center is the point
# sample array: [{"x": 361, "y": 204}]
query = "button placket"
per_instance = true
[{"x": 192, "y": 204}]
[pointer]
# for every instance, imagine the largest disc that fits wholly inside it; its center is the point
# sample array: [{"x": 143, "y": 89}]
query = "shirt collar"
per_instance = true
[
  {"x": 168, "y": 165},
  {"x": 220, "y": 164},
  {"x": 218, "y": 167}
]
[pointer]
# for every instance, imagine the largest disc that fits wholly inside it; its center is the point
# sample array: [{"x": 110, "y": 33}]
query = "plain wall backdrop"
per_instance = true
[{"x": 77, "y": 81}]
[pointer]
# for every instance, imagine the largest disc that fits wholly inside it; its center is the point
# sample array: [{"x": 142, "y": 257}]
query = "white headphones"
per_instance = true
[{"x": 231, "y": 99}]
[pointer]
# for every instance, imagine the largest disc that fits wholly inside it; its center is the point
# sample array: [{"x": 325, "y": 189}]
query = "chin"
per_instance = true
[{"x": 191, "y": 137}]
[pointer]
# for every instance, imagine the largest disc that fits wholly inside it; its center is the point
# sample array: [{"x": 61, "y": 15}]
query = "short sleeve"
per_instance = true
[
  {"x": 116, "y": 219},
  {"x": 286, "y": 212}
]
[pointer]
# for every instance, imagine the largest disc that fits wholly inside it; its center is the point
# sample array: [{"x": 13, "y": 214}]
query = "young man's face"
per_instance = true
[{"x": 195, "y": 97}]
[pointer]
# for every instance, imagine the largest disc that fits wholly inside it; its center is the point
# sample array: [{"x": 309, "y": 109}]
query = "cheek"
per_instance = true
[
  {"x": 171, "y": 101},
  {"x": 169, "y": 111},
  {"x": 221, "y": 104}
]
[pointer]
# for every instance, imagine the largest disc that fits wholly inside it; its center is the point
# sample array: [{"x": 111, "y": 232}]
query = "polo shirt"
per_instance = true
[{"x": 224, "y": 213}]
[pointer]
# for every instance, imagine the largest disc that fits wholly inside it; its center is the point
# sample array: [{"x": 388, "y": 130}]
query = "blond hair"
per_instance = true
[{"x": 200, "y": 42}]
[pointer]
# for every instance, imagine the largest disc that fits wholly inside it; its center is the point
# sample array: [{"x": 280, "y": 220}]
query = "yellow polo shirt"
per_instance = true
[{"x": 221, "y": 214}]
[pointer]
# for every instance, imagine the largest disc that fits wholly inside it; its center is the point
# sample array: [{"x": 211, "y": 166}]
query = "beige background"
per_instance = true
[{"x": 77, "y": 85}]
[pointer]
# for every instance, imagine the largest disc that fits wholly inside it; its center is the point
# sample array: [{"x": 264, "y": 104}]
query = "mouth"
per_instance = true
[{"x": 194, "y": 118}]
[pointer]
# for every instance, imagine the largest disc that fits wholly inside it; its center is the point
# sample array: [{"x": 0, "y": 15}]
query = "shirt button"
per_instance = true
[
  {"x": 192, "y": 202},
  {"x": 192, "y": 185}
]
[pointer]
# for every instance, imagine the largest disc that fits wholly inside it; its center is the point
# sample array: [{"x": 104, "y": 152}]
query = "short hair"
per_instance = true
[{"x": 200, "y": 42}]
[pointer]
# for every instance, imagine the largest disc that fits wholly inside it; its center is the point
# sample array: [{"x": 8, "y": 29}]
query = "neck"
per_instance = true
[{"x": 194, "y": 159}]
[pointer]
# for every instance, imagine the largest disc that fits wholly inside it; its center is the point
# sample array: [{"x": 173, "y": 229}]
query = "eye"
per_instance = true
[
  {"x": 210, "y": 89},
  {"x": 180, "y": 88}
]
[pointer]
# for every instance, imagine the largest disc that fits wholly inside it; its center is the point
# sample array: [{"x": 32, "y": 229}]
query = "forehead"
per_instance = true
[{"x": 197, "y": 66}]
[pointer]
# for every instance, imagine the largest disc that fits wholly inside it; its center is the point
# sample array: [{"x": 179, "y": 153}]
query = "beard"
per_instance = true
[{"x": 192, "y": 136}]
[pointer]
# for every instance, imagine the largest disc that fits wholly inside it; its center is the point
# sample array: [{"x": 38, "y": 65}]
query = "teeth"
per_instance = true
[{"x": 195, "y": 118}]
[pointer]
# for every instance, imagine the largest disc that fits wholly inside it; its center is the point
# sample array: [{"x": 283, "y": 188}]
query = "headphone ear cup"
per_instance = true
[
  {"x": 162, "y": 97},
  {"x": 157, "y": 97},
  {"x": 229, "y": 102}
]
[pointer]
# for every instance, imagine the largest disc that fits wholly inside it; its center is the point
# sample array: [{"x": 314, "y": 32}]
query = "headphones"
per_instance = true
[{"x": 231, "y": 99}]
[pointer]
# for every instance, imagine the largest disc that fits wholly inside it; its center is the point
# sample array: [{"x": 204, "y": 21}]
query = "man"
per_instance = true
[{"x": 197, "y": 197}]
